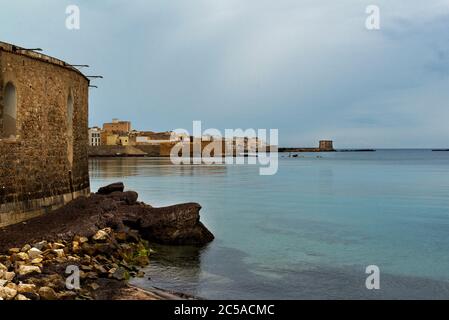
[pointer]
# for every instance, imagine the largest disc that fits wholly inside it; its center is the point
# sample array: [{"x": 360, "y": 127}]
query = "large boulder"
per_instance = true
[
  {"x": 174, "y": 225},
  {"x": 129, "y": 197},
  {"x": 117, "y": 186}
]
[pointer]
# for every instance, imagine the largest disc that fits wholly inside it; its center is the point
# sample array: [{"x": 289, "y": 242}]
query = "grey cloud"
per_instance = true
[{"x": 309, "y": 68}]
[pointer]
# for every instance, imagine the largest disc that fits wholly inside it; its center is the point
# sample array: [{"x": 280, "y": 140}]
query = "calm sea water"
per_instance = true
[{"x": 307, "y": 232}]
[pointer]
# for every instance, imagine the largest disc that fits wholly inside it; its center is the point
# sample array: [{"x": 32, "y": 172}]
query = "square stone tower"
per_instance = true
[{"x": 326, "y": 145}]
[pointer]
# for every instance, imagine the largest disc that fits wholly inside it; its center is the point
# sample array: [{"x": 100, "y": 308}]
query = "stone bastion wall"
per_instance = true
[{"x": 43, "y": 134}]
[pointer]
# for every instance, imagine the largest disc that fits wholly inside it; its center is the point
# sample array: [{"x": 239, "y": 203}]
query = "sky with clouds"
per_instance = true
[{"x": 307, "y": 67}]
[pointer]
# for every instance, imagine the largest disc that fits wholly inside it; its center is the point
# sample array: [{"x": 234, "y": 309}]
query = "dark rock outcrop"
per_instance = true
[
  {"x": 129, "y": 197},
  {"x": 120, "y": 211},
  {"x": 114, "y": 187},
  {"x": 178, "y": 224}
]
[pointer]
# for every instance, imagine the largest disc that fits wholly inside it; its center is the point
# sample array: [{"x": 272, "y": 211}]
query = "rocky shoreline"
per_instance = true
[{"x": 92, "y": 246}]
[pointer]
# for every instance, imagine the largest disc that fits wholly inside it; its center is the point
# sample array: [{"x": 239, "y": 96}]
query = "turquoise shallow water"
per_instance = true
[{"x": 307, "y": 232}]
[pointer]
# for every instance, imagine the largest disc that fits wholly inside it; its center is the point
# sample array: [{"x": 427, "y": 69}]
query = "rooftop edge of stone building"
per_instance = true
[{"x": 8, "y": 47}]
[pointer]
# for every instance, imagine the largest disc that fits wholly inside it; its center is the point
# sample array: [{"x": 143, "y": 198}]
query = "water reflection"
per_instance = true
[
  {"x": 175, "y": 264},
  {"x": 102, "y": 168},
  {"x": 218, "y": 272}
]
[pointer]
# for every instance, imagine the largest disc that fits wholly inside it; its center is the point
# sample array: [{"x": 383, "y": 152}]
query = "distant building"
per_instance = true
[
  {"x": 114, "y": 139},
  {"x": 117, "y": 126},
  {"x": 326, "y": 145},
  {"x": 123, "y": 141},
  {"x": 94, "y": 136},
  {"x": 149, "y": 137},
  {"x": 110, "y": 139},
  {"x": 250, "y": 144}
]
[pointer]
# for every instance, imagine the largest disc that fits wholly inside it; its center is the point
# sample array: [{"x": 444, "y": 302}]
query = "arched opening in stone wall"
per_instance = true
[
  {"x": 70, "y": 129},
  {"x": 9, "y": 113}
]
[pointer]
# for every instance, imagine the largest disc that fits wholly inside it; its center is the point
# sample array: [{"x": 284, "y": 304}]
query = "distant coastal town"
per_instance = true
[
  {"x": 117, "y": 138},
  {"x": 120, "y": 133}
]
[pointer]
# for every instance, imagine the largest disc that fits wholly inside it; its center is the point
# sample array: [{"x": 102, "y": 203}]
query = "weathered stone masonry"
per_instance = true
[{"x": 43, "y": 134}]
